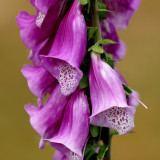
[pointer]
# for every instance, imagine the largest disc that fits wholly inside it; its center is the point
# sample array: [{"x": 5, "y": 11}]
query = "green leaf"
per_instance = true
[
  {"x": 94, "y": 131},
  {"x": 90, "y": 32},
  {"x": 108, "y": 59},
  {"x": 114, "y": 132},
  {"x": 104, "y": 10},
  {"x": 127, "y": 96},
  {"x": 111, "y": 63},
  {"x": 106, "y": 41},
  {"x": 126, "y": 88},
  {"x": 109, "y": 56},
  {"x": 86, "y": 12},
  {"x": 102, "y": 15},
  {"x": 89, "y": 7},
  {"x": 102, "y": 152},
  {"x": 84, "y": 82},
  {"x": 91, "y": 153},
  {"x": 83, "y": 2},
  {"x": 90, "y": 148},
  {"x": 96, "y": 48}
]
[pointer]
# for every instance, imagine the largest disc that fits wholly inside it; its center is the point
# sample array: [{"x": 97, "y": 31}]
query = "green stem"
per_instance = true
[
  {"x": 95, "y": 19},
  {"x": 106, "y": 132},
  {"x": 106, "y": 137}
]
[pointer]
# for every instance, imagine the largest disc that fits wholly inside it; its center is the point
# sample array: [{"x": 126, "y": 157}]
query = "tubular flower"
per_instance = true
[
  {"x": 68, "y": 50},
  {"x": 109, "y": 104},
  {"x": 38, "y": 31},
  {"x": 46, "y": 119},
  {"x": 117, "y": 50},
  {"x": 123, "y": 11},
  {"x": 74, "y": 129}
]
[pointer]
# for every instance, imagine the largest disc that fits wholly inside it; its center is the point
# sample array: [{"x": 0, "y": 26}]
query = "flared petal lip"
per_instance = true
[
  {"x": 21, "y": 14},
  {"x": 76, "y": 67},
  {"x": 61, "y": 59},
  {"x": 130, "y": 110},
  {"x": 69, "y": 148},
  {"x": 107, "y": 109}
]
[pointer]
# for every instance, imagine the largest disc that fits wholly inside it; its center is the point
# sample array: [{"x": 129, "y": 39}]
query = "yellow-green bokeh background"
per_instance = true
[{"x": 141, "y": 68}]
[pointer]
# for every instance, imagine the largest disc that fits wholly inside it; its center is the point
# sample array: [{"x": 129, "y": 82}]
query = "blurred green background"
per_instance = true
[{"x": 141, "y": 68}]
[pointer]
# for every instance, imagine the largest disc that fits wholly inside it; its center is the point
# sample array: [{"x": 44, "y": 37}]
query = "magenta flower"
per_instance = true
[
  {"x": 123, "y": 11},
  {"x": 117, "y": 50},
  {"x": 74, "y": 129},
  {"x": 68, "y": 50},
  {"x": 109, "y": 104},
  {"x": 38, "y": 31},
  {"x": 59, "y": 156},
  {"x": 46, "y": 119},
  {"x": 40, "y": 81}
]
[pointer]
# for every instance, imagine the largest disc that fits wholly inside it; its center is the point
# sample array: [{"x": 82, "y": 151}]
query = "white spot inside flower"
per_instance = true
[
  {"x": 74, "y": 156},
  {"x": 40, "y": 19}
]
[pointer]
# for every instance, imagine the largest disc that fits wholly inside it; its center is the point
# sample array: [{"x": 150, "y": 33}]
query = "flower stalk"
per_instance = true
[
  {"x": 106, "y": 132},
  {"x": 95, "y": 20},
  {"x": 106, "y": 136}
]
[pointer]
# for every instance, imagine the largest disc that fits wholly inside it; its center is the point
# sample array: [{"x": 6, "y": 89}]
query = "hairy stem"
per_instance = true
[{"x": 106, "y": 132}]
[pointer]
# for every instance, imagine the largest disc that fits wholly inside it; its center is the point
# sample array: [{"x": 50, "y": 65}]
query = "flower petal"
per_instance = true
[
  {"x": 45, "y": 6},
  {"x": 39, "y": 80},
  {"x": 117, "y": 50},
  {"x": 74, "y": 129},
  {"x": 121, "y": 119},
  {"x": 132, "y": 101},
  {"x": 123, "y": 11},
  {"x": 32, "y": 2},
  {"x": 46, "y": 119},
  {"x": 108, "y": 98},
  {"x": 68, "y": 50},
  {"x": 59, "y": 156},
  {"x": 67, "y": 75},
  {"x": 38, "y": 31}
]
